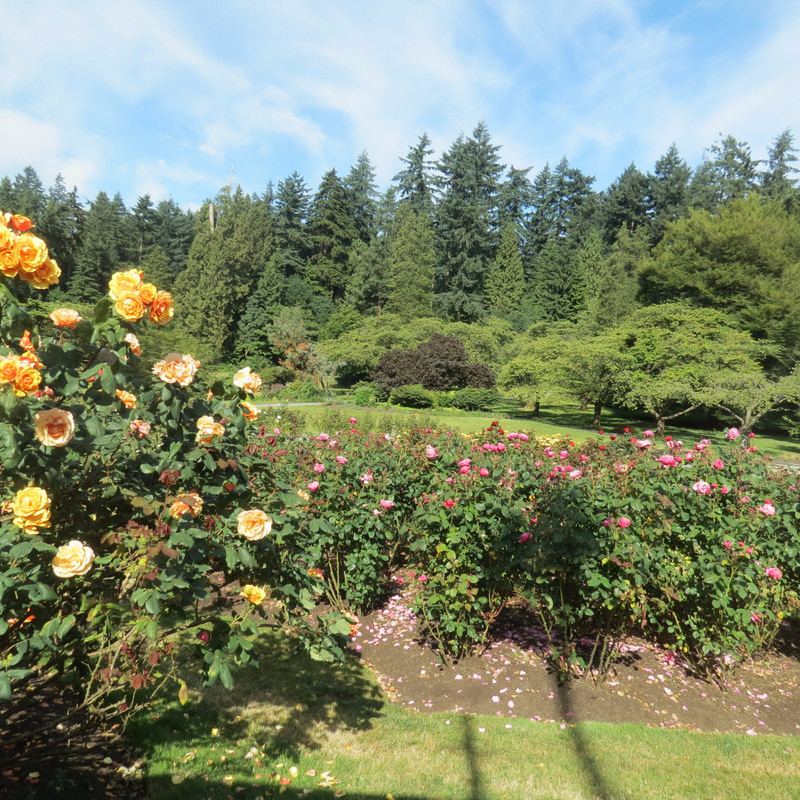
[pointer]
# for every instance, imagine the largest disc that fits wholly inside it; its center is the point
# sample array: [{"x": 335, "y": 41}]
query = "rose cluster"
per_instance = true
[
  {"x": 133, "y": 298},
  {"x": 23, "y": 255}
]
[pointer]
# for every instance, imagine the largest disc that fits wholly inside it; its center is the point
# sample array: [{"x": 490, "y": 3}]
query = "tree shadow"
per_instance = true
[{"x": 599, "y": 784}]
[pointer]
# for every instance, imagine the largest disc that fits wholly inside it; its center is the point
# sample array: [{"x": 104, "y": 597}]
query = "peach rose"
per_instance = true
[
  {"x": 45, "y": 276},
  {"x": 175, "y": 368},
  {"x": 147, "y": 291},
  {"x": 253, "y": 524},
  {"x": 130, "y": 306},
  {"x": 255, "y": 594},
  {"x": 27, "y": 380},
  {"x": 189, "y": 503},
  {"x": 9, "y": 260},
  {"x": 133, "y": 341},
  {"x": 128, "y": 399},
  {"x": 246, "y": 380},
  {"x": 122, "y": 283},
  {"x": 31, "y": 509},
  {"x": 9, "y": 367},
  {"x": 141, "y": 427},
  {"x": 249, "y": 411},
  {"x": 7, "y": 238},
  {"x": 162, "y": 310},
  {"x": 65, "y": 317},
  {"x": 31, "y": 252},
  {"x": 207, "y": 429},
  {"x": 73, "y": 559},
  {"x": 54, "y": 427}
]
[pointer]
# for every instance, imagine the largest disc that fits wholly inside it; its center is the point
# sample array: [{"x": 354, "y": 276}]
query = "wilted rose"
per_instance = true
[
  {"x": 133, "y": 342},
  {"x": 188, "y": 503},
  {"x": 128, "y": 399},
  {"x": 207, "y": 429},
  {"x": 255, "y": 594}
]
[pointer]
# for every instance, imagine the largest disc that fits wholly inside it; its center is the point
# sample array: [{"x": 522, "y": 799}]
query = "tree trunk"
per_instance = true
[
  {"x": 598, "y": 407},
  {"x": 536, "y": 409}
]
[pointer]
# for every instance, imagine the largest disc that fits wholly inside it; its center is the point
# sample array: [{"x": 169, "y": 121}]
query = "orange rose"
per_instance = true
[
  {"x": 72, "y": 559},
  {"x": 249, "y": 411},
  {"x": 54, "y": 427},
  {"x": 207, "y": 429},
  {"x": 253, "y": 524},
  {"x": 32, "y": 252},
  {"x": 175, "y": 368},
  {"x": 21, "y": 223},
  {"x": 31, "y": 509},
  {"x": 133, "y": 341},
  {"x": 124, "y": 283},
  {"x": 45, "y": 276},
  {"x": 26, "y": 381},
  {"x": 65, "y": 317},
  {"x": 128, "y": 399},
  {"x": 190, "y": 503},
  {"x": 148, "y": 293},
  {"x": 30, "y": 360},
  {"x": 9, "y": 261},
  {"x": 7, "y": 238},
  {"x": 162, "y": 310},
  {"x": 246, "y": 380},
  {"x": 9, "y": 366},
  {"x": 255, "y": 594},
  {"x": 130, "y": 306}
]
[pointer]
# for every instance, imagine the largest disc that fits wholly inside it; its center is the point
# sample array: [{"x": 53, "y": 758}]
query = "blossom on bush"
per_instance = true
[
  {"x": 124, "y": 283},
  {"x": 141, "y": 427},
  {"x": 130, "y": 306},
  {"x": 247, "y": 381},
  {"x": 312, "y": 486},
  {"x": 189, "y": 503},
  {"x": 128, "y": 399},
  {"x": 65, "y": 317},
  {"x": 767, "y": 508},
  {"x": 31, "y": 509},
  {"x": 175, "y": 368},
  {"x": 162, "y": 308},
  {"x": 319, "y": 468},
  {"x": 249, "y": 411},
  {"x": 774, "y": 573},
  {"x": 624, "y": 522},
  {"x": 367, "y": 477},
  {"x": 702, "y": 487},
  {"x": 718, "y": 463},
  {"x": 255, "y": 594},
  {"x": 207, "y": 429},
  {"x": 431, "y": 452},
  {"x": 668, "y": 460},
  {"x": 133, "y": 341},
  {"x": 21, "y": 372},
  {"x": 386, "y": 504},
  {"x": 253, "y": 524},
  {"x": 72, "y": 559},
  {"x": 54, "y": 427},
  {"x": 732, "y": 433}
]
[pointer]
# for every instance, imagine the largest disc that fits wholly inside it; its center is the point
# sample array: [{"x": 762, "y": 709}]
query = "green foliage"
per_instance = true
[
  {"x": 412, "y": 396},
  {"x": 412, "y": 262},
  {"x": 472, "y": 399},
  {"x": 366, "y": 393},
  {"x": 505, "y": 283}
]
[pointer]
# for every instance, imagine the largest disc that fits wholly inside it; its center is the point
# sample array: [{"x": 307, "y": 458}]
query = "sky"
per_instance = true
[{"x": 173, "y": 99}]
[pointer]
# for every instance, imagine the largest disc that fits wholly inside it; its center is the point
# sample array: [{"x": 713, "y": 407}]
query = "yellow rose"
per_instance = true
[
  {"x": 31, "y": 252},
  {"x": 9, "y": 261},
  {"x": 27, "y": 380},
  {"x": 31, "y": 509},
  {"x": 189, "y": 503},
  {"x": 128, "y": 399},
  {"x": 255, "y": 594},
  {"x": 253, "y": 524},
  {"x": 249, "y": 411},
  {"x": 65, "y": 317},
  {"x": 133, "y": 342},
  {"x": 246, "y": 380},
  {"x": 130, "y": 306},
  {"x": 7, "y": 238},
  {"x": 54, "y": 427},
  {"x": 207, "y": 429},
  {"x": 72, "y": 559},
  {"x": 124, "y": 283},
  {"x": 175, "y": 368},
  {"x": 45, "y": 276},
  {"x": 8, "y": 368},
  {"x": 148, "y": 293},
  {"x": 162, "y": 310}
]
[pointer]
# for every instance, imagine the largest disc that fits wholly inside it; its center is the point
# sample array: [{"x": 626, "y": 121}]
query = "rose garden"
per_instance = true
[{"x": 154, "y": 524}]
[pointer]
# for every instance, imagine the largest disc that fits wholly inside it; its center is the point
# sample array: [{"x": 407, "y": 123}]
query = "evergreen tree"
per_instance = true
[
  {"x": 777, "y": 182},
  {"x": 61, "y": 226},
  {"x": 412, "y": 262},
  {"x": 466, "y": 224},
  {"x": 515, "y": 198},
  {"x": 735, "y": 169},
  {"x": 668, "y": 191},
  {"x": 7, "y": 200},
  {"x": 292, "y": 239},
  {"x": 589, "y": 263},
  {"x": 415, "y": 182},
  {"x": 557, "y": 284},
  {"x": 255, "y": 325},
  {"x": 368, "y": 289},
  {"x": 28, "y": 193},
  {"x": 624, "y": 203},
  {"x": 144, "y": 225},
  {"x": 173, "y": 231},
  {"x": 155, "y": 266},
  {"x": 362, "y": 196},
  {"x": 505, "y": 283},
  {"x": 332, "y": 234}
]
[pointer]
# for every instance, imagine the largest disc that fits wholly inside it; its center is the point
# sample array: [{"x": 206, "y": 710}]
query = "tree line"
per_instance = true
[{"x": 293, "y": 277}]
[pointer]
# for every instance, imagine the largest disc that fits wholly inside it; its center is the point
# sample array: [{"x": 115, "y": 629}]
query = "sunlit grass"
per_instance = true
[{"x": 294, "y": 716}]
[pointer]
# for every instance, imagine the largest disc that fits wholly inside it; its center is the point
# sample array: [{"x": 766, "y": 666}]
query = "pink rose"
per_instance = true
[
  {"x": 648, "y": 434},
  {"x": 431, "y": 452},
  {"x": 313, "y": 486},
  {"x": 624, "y": 522},
  {"x": 724, "y": 490},
  {"x": 523, "y": 437},
  {"x": 464, "y": 470},
  {"x": 727, "y": 544},
  {"x": 774, "y": 573},
  {"x": 319, "y": 468},
  {"x": 523, "y": 537},
  {"x": 668, "y": 460},
  {"x": 341, "y": 460},
  {"x": 754, "y": 617},
  {"x": 465, "y": 462},
  {"x": 367, "y": 477},
  {"x": 767, "y": 509},
  {"x": 575, "y": 473},
  {"x": 353, "y": 420},
  {"x": 484, "y": 472},
  {"x": 701, "y": 487},
  {"x": 718, "y": 463},
  {"x": 501, "y": 448},
  {"x": 386, "y": 504},
  {"x": 449, "y": 503},
  {"x": 732, "y": 433}
]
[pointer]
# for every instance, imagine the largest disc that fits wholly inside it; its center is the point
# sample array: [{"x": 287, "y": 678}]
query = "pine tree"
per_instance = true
[
  {"x": 415, "y": 182},
  {"x": 144, "y": 225},
  {"x": 28, "y": 193},
  {"x": 332, "y": 233},
  {"x": 412, "y": 263},
  {"x": 254, "y": 331},
  {"x": 505, "y": 283},
  {"x": 292, "y": 239},
  {"x": 515, "y": 198},
  {"x": 61, "y": 226},
  {"x": 557, "y": 284},
  {"x": 625, "y": 203},
  {"x": 368, "y": 288},
  {"x": 668, "y": 191},
  {"x": 173, "y": 232},
  {"x": 777, "y": 182},
  {"x": 362, "y": 195}
]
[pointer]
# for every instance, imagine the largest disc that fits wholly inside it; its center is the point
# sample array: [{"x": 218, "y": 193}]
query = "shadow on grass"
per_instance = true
[{"x": 289, "y": 702}]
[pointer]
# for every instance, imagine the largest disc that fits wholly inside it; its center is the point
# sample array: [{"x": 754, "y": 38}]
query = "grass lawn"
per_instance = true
[{"x": 314, "y": 724}]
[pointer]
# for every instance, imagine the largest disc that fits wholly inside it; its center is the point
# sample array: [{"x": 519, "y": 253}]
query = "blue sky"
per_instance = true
[{"x": 165, "y": 97}]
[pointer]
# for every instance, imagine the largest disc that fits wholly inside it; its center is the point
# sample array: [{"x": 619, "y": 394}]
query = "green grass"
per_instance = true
[
  {"x": 334, "y": 719},
  {"x": 556, "y": 420}
]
